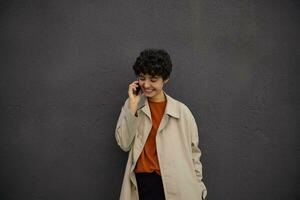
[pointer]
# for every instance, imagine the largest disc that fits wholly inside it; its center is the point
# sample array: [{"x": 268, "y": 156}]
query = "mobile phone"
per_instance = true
[{"x": 138, "y": 89}]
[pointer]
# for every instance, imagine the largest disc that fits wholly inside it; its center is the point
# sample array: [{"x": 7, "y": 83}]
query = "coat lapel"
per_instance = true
[
  {"x": 171, "y": 108},
  {"x": 144, "y": 106}
]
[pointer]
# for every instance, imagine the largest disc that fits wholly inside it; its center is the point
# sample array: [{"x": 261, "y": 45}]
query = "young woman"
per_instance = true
[{"x": 161, "y": 136}]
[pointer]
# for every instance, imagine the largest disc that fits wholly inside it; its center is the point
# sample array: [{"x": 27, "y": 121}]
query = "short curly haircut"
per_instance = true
[{"x": 155, "y": 62}]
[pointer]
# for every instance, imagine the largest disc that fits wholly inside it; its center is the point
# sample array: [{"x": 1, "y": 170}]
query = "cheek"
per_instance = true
[{"x": 158, "y": 86}]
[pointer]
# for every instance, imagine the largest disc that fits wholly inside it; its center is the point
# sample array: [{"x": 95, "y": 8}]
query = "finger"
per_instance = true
[
  {"x": 133, "y": 87},
  {"x": 131, "y": 90},
  {"x": 134, "y": 82}
]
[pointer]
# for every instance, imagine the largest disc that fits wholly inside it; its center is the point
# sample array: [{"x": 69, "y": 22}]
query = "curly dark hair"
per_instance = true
[{"x": 155, "y": 62}]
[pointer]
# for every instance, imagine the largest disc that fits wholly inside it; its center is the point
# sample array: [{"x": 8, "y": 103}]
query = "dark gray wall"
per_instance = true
[{"x": 65, "y": 67}]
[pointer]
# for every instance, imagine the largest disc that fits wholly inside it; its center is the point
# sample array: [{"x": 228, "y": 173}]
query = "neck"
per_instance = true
[{"x": 158, "y": 98}]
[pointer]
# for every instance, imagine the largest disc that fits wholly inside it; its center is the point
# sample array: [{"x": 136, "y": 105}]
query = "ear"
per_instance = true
[{"x": 165, "y": 81}]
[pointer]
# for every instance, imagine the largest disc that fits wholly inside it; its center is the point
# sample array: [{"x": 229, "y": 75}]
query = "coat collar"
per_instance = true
[{"x": 172, "y": 108}]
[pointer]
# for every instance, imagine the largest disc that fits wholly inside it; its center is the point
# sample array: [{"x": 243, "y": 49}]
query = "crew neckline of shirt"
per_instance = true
[{"x": 157, "y": 101}]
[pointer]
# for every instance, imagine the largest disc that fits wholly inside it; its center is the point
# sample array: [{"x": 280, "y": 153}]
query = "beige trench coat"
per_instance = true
[{"x": 177, "y": 150}]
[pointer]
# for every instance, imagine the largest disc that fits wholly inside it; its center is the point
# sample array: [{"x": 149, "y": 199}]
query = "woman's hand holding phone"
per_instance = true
[{"x": 134, "y": 93}]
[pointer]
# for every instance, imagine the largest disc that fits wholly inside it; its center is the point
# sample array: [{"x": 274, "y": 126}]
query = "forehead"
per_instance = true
[{"x": 149, "y": 76}]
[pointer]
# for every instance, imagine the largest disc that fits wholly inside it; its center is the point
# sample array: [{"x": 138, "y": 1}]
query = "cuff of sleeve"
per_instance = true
[{"x": 204, "y": 192}]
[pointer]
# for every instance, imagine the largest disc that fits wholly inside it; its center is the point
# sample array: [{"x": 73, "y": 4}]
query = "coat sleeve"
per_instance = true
[
  {"x": 126, "y": 128},
  {"x": 196, "y": 154}
]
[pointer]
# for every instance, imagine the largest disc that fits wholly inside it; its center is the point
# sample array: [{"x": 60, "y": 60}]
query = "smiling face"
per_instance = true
[{"x": 152, "y": 87}]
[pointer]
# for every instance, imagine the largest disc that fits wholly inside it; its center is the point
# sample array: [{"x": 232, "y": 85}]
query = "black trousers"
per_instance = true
[{"x": 150, "y": 186}]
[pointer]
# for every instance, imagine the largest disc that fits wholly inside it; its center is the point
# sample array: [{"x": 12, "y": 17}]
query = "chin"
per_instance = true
[
  {"x": 152, "y": 95},
  {"x": 149, "y": 95}
]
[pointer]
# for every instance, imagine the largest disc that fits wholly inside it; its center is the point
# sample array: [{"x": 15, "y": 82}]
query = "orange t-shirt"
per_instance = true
[{"x": 148, "y": 160}]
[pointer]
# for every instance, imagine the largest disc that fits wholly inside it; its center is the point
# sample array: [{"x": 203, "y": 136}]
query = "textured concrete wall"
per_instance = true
[{"x": 65, "y": 67}]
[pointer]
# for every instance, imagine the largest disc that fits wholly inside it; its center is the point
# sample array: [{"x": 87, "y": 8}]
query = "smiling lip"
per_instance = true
[{"x": 147, "y": 90}]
